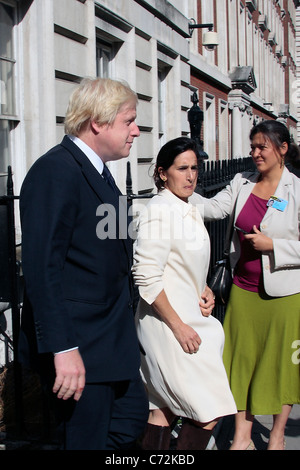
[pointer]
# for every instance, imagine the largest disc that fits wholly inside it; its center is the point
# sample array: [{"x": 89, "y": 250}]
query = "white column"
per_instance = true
[
  {"x": 238, "y": 102},
  {"x": 39, "y": 89}
]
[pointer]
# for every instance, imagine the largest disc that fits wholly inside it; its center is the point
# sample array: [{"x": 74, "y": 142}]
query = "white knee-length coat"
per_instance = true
[{"x": 172, "y": 252}]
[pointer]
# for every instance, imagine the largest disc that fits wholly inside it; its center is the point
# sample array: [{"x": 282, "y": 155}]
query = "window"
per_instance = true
[
  {"x": 4, "y": 145},
  {"x": 7, "y": 94},
  {"x": 210, "y": 126},
  {"x": 223, "y": 130},
  {"x": 104, "y": 58},
  {"x": 161, "y": 102},
  {"x": 162, "y": 74},
  {"x": 7, "y": 61}
]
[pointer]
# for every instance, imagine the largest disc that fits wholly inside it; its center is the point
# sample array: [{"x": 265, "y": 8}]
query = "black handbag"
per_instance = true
[{"x": 220, "y": 281}]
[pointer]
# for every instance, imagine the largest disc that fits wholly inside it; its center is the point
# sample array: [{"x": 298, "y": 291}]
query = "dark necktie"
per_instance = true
[{"x": 110, "y": 180}]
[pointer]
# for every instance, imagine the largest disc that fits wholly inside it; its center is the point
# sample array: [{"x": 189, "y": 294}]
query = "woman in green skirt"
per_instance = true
[{"x": 262, "y": 321}]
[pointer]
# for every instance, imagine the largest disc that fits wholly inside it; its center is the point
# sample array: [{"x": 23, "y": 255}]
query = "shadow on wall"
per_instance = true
[{"x": 23, "y": 8}]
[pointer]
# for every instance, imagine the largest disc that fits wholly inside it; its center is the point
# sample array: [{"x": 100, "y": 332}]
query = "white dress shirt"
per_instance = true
[{"x": 91, "y": 155}]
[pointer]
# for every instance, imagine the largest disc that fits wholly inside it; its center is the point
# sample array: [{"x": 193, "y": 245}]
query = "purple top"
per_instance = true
[{"x": 248, "y": 272}]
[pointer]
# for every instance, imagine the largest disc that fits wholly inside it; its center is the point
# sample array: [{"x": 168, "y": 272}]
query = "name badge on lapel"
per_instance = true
[{"x": 277, "y": 203}]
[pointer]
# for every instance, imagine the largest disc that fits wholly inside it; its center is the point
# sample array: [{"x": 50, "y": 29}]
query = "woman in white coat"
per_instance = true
[
  {"x": 182, "y": 367},
  {"x": 262, "y": 321}
]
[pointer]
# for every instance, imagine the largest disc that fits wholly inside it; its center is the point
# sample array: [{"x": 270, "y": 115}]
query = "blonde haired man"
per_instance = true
[{"x": 77, "y": 320}]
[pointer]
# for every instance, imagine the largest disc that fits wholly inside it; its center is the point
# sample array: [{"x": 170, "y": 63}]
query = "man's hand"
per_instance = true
[{"x": 70, "y": 375}]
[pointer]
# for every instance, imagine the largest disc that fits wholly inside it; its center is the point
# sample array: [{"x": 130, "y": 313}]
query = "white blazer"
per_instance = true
[
  {"x": 171, "y": 252},
  {"x": 281, "y": 268}
]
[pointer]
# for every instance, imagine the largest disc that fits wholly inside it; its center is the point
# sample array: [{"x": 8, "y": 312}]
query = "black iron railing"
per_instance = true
[
  {"x": 213, "y": 177},
  {"x": 216, "y": 175},
  {"x": 11, "y": 286}
]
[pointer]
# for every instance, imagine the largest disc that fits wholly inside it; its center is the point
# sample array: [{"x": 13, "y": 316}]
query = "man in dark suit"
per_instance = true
[{"x": 77, "y": 319}]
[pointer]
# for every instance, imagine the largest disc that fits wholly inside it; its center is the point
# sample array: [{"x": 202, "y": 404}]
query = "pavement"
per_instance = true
[
  {"x": 261, "y": 429},
  {"x": 220, "y": 440}
]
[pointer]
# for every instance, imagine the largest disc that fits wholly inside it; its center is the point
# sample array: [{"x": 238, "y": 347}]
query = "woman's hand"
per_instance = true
[
  {"x": 187, "y": 337},
  {"x": 259, "y": 241},
  {"x": 207, "y": 302}
]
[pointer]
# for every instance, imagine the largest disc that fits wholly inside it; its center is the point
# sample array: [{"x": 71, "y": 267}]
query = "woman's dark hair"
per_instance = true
[
  {"x": 168, "y": 153},
  {"x": 278, "y": 133}
]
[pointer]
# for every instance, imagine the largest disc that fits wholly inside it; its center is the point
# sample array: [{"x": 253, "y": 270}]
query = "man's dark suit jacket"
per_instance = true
[{"x": 78, "y": 286}]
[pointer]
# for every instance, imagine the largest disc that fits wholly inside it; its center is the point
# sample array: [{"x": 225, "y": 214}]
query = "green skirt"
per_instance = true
[{"x": 262, "y": 350}]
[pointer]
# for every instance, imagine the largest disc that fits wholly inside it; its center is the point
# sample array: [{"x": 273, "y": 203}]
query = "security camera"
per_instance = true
[{"x": 210, "y": 40}]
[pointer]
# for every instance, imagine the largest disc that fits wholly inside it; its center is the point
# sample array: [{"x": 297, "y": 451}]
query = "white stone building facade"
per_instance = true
[
  {"x": 48, "y": 46},
  {"x": 250, "y": 76}
]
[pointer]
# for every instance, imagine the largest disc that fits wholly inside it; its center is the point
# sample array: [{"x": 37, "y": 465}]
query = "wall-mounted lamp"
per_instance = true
[{"x": 210, "y": 39}]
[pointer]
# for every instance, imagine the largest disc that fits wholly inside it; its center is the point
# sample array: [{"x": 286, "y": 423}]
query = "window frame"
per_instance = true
[
  {"x": 108, "y": 49},
  {"x": 8, "y": 117}
]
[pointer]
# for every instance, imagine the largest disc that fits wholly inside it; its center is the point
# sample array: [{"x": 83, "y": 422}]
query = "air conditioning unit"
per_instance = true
[
  {"x": 263, "y": 22},
  {"x": 251, "y": 4},
  {"x": 284, "y": 110},
  {"x": 272, "y": 39},
  {"x": 269, "y": 106}
]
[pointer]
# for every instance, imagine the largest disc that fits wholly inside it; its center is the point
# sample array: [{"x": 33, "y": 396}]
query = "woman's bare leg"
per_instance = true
[
  {"x": 161, "y": 417},
  {"x": 157, "y": 434},
  {"x": 243, "y": 429},
  {"x": 276, "y": 441}
]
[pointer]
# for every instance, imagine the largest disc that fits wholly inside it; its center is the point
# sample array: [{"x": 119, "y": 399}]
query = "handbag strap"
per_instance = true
[
  {"x": 230, "y": 228},
  {"x": 229, "y": 231}
]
